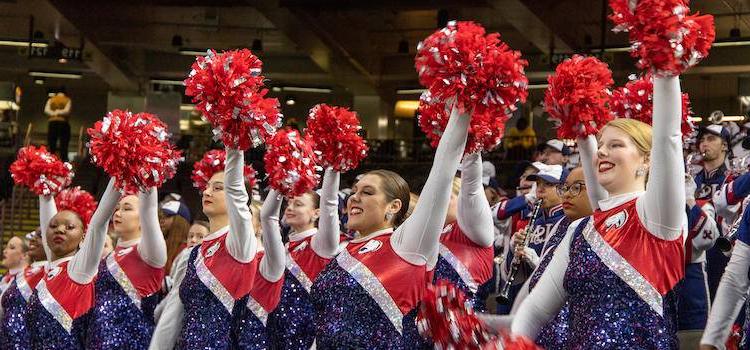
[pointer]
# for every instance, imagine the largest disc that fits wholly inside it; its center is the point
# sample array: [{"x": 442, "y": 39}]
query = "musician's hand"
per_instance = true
[
  {"x": 519, "y": 238},
  {"x": 520, "y": 253}
]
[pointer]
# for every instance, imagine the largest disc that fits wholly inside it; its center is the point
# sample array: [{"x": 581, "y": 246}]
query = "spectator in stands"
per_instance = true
[
  {"x": 555, "y": 152},
  {"x": 198, "y": 230},
  {"x": 520, "y": 140},
  {"x": 174, "y": 220},
  {"x": 57, "y": 110}
]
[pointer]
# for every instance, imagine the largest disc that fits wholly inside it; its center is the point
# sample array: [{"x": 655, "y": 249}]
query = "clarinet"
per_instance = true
[
  {"x": 516, "y": 263},
  {"x": 724, "y": 242}
]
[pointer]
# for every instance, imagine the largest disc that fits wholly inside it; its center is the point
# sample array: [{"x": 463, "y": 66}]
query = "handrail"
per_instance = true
[
  {"x": 80, "y": 143},
  {"x": 27, "y": 138}
]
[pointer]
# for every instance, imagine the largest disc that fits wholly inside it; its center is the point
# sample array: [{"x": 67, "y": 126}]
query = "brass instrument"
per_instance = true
[{"x": 503, "y": 296}]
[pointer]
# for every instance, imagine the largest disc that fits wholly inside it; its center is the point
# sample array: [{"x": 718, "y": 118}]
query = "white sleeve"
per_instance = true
[
  {"x": 587, "y": 148},
  {"x": 531, "y": 258},
  {"x": 520, "y": 297},
  {"x": 474, "y": 215},
  {"x": 730, "y": 297},
  {"x": 325, "y": 243},
  {"x": 47, "y": 210},
  {"x": 416, "y": 241},
  {"x": 274, "y": 260},
  {"x": 48, "y": 108},
  {"x": 662, "y": 208},
  {"x": 85, "y": 263},
  {"x": 66, "y": 109},
  {"x": 723, "y": 208},
  {"x": 549, "y": 295},
  {"x": 241, "y": 242},
  {"x": 708, "y": 234},
  {"x": 153, "y": 248},
  {"x": 169, "y": 324}
]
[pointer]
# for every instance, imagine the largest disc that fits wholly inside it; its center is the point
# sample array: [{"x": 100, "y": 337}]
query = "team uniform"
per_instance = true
[{"x": 14, "y": 333}]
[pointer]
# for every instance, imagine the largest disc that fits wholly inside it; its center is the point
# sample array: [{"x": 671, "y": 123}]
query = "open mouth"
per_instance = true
[
  {"x": 355, "y": 211},
  {"x": 605, "y": 167}
]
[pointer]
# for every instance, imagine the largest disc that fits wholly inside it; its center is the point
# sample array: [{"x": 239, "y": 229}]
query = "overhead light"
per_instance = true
[
  {"x": 167, "y": 82},
  {"x": 21, "y": 43},
  {"x": 187, "y": 107},
  {"x": 538, "y": 86},
  {"x": 4, "y": 105},
  {"x": 62, "y": 60},
  {"x": 403, "y": 46},
  {"x": 55, "y": 75},
  {"x": 289, "y": 101},
  {"x": 193, "y": 52},
  {"x": 744, "y": 42},
  {"x": 307, "y": 89},
  {"x": 405, "y": 108},
  {"x": 39, "y": 81},
  {"x": 276, "y": 89},
  {"x": 617, "y": 49},
  {"x": 410, "y": 91},
  {"x": 257, "y": 45},
  {"x": 726, "y": 118}
]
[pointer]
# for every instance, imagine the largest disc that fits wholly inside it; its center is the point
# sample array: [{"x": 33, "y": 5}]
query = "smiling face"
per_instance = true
[
  {"x": 14, "y": 253},
  {"x": 126, "y": 218},
  {"x": 367, "y": 206},
  {"x": 214, "y": 202},
  {"x": 617, "y": 162},
  {"x": 301, "y": 211},
  {"x": 64, "y": 233}
]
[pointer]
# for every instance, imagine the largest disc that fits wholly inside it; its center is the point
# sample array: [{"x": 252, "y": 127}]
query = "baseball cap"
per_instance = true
[
  {"x": 717, "y": 130},
  {"x": 176, "y": 208},
  {"x": 559, "y": 146},
  {"x": 553, "y": 174}
]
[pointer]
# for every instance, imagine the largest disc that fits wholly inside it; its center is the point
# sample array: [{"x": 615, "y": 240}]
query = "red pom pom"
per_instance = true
[
  {"x": 337, "y": 143},
  {"x": 518, "y": 343},
  {"x": 481, "y": 71},
  {"x": 212, "y": 162},
  {"x": 664, "y": 38},
  {"x": 577, "y": 96},
  {"x": 42, "y": 172},
  {"x": 78, "y": 201},
  {"x": 134, "y": 149},
  {"x": 635, "y": 101},
  {"x": 735, "y": 337},
  {"x": 290, "y": 163},
  {"x": 486, "y": 129},
  {"x": 447, "y": 317},
  {"x": 228, "y": 90}
]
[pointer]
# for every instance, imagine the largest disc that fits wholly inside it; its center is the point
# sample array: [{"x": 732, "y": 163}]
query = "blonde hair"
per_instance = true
[
  {"x": 638, "y": 131},
  {"x": 456, "y": 186}
]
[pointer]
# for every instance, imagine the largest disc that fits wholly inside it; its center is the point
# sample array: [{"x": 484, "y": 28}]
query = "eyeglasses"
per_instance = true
[{"x": 574, "y": 189}]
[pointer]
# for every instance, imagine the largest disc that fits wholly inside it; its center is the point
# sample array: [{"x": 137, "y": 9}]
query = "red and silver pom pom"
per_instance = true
[
  {"x": 212, "y": 162},
  {"x": 663, "y": 36},
  {"x": 447, "y": 317},
  {"x": 337, "y": 142},
  {"x": 485, "y": 129},
  {"x": 228, "y": 90},
  {"x": 635, "y": 101},
  {"x": 78, "y": 201},
  {"x": 577, "y": 96},
  {"x": 134, "y": 149},
  {"x": 42, "y": 172},
  {"x": 478, "y": 69},
  {"x": 290, "y": 163}
]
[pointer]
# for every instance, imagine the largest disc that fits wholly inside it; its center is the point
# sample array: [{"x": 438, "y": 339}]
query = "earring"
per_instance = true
[
  {"x": 388, "y": 216},
  {"x": 640, "y": 172}
]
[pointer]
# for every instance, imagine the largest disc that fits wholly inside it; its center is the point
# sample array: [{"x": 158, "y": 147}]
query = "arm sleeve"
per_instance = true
[
  {"x": 417, "y": 239},
  {"x": 85, "y": 263},
  {"x": 66, "y": 109},
  {"x": 273, "y": 262},
  {"x": 595, "y": 191},
  {"x": 505, "y": 209},
  {"x": 474, "y": 216},
  {"x": 326, "y": 242},
  {"x": 549, "y": 295},
  {"x": 702, "y": 227},
  {"x": 153, "y": 248},
  {"x": 170, "y": 323},
  {"x": 47, "y": 210},
  {"x": 729, "y": 197},
  {"x": 48, "y": 108},
  {"x": 662, "y": 207},
  {"x": 730, "y": 297},
  {"x": 241, "y": 242}
]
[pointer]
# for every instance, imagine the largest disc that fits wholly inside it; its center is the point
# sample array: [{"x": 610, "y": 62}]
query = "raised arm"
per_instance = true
[
  {"x": 417, "y": 239},
  {"x": 47, "y": 209},
  {"x": 474, "y": 215},
  {"x": 587, "y": 149},
  {"x": 326, "y": 242},
  {"x": 662, "y": 208},
  {"x": 274, "y": 260},
  {"x": 85, "y": 263},
  {"x": 153, "y": 248},
  {"x": 241, "y": 242}
]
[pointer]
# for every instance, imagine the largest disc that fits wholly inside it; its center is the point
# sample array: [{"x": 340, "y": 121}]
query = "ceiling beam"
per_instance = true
[
  {"x": 53, "y": 11},
  {"x": 530, "y": 25}
]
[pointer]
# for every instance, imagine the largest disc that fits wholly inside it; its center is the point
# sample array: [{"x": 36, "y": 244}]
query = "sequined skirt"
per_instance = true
[
  {"x": 14, "y": 333},
  {"x": 291, "y": 325}
]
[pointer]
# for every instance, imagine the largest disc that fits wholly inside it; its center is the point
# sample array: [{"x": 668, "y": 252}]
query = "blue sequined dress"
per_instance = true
[{"x": 14, "y": 333}]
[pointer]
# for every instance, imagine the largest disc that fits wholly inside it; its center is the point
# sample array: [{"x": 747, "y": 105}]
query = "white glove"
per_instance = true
[{"x": 531, "y": 196}]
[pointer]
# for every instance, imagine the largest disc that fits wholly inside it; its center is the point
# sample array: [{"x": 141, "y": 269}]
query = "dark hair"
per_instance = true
[
  {"x": 522, "y": 123},
  {"x": 394, "y": 187}
]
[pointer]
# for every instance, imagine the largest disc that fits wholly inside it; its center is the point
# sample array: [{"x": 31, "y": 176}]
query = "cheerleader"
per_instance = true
[
  {"x": 575, "y": 204},
  {"x": 731, "y": 294},
  {"x": 14, "y": 259},
  {"x": 618, "y": 267},
  {"x": 59, "y": 311},
  {"x": 308, "y": 252},
  {"x": 367, "y": 296},
  {"x": 130, "y": 278},
  {"x": 466, "y": 242},
  {"x": 13, "y": 331},
  {"x": 218, "y": 274}
]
